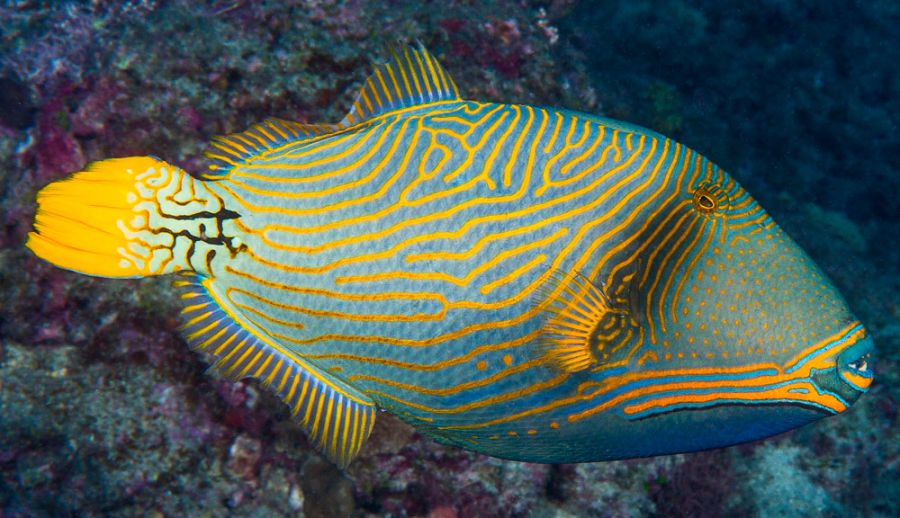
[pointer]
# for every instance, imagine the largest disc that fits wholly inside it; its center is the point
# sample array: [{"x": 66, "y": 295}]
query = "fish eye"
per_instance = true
[
  {"x": 709, "y": 198},
  {"x": 861, "y": 364}
]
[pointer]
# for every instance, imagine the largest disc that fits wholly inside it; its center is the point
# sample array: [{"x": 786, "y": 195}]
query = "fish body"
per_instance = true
[{"x": 529, "y": 283}]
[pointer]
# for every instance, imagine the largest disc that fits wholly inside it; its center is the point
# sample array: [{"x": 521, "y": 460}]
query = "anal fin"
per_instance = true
[{"x": 336, "y": 417}]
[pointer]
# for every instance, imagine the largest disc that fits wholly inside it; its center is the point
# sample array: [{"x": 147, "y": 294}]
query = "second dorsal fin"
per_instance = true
[
  {"x": 227, "y": 151},
  {"x": 412, "y": 76}
]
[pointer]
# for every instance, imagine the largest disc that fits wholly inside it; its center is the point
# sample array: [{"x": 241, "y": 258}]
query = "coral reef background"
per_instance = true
[{"x": 104, "y": 411}]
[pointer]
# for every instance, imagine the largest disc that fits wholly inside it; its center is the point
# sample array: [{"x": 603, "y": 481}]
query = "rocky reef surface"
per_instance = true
[{"x": 104, "y": 411}]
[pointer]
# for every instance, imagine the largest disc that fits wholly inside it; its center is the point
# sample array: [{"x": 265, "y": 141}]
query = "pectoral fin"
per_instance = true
[{"x": 586, "y": 327}]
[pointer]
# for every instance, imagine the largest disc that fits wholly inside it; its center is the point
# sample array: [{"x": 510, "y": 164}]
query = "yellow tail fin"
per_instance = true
[{"x": 124, "y": 217}]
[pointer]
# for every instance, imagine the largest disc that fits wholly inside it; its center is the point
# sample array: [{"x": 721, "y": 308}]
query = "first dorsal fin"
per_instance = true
[
  {"x": 337, "y": 418},
  {"x": 411, "y": 77}
]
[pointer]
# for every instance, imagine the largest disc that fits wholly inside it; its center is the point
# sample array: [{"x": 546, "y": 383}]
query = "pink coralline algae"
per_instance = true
[
  {"x": 187, "y": 424},
  {"x": 56, "y": 152},
  {"x": 58, "y": 147},
  {"x": 242, "y": 409},
  {"x": 102, "y": 101},
  {"x": 243, "y": 457},
  {"x": 190, "y": 117}
]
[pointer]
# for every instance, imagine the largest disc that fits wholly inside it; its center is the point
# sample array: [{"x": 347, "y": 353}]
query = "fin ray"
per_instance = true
[
  {"x": 326, "y": 403},
  {"x": 410, "y": 77},
  {"x": 112, "y": 218},
  {"x": 584, "y": 326},
  {"x": 228, "y": 151}
]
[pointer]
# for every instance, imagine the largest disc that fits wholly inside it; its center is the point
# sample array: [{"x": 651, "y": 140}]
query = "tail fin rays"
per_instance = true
[{"x": 117, "y": 219}]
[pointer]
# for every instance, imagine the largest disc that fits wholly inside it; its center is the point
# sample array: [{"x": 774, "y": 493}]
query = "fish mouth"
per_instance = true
[
  {"x": 838, "y": 369},
  {"x": 846, "y": 372}
]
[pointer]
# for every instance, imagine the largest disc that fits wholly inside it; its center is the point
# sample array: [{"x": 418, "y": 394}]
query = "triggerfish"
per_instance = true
[{"x": 530, "y": 283}]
